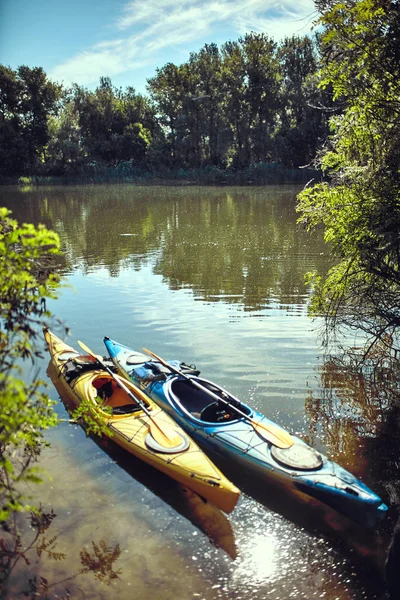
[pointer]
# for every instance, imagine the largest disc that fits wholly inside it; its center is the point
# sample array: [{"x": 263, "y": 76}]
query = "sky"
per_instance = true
[{"x": 78, "y": 41}]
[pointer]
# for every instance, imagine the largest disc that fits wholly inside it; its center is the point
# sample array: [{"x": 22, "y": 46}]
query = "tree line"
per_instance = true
[{"x": 251, "y": 102}]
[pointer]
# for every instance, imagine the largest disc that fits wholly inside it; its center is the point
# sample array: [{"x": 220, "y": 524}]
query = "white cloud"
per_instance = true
[
  {"x": 158, "y": 25},
  {"x": 89, "y": 66}
]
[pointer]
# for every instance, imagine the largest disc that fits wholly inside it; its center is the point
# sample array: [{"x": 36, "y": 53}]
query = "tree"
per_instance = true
[
  {"x": 27, "y": 98},
  {"x": 263, "y": 80},
  {"x": 115, "y": 125},
  {"x": 302, "y": 125},
  {"x": 233, "y": 81},
  {"x": 27, "y": 279},
  {"x": 174, "y": 91},
  {"x": 13, "y": 151},
  {"x": 250, "y": 82},
  {"x": 64, "y": 152},
  {"x": 207, "y": 63},
  {"x": 359, "y": 205}
]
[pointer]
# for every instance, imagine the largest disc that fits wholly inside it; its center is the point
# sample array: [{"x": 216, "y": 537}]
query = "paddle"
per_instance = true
[
  {"x": 164, "y": 435},
  {"x": 270, "y": 433}
]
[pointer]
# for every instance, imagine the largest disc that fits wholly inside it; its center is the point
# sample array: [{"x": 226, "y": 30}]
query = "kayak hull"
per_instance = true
[
  {"x": 237, "y": 440},
  {"x": 132, "y": 429}
]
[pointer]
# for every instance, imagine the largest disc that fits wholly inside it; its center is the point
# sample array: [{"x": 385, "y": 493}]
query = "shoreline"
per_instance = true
[{"x": 264, "y": 174}]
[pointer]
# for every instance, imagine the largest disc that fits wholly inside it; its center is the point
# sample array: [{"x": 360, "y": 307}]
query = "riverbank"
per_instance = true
[{"x": 257, "y": 174}]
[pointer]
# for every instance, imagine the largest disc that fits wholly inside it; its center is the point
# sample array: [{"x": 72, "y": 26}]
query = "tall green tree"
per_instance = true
[
  {"x": 165, "y": 90},
  {"x": 207, "y": 65},
  {"x": 234, "y": 88},
  {"x": 360, "y": 205},
  {"x": 13, "y": 151},
  {"x": 27, "y": 99},
  {"x": 176, "y": 92},
  {"x": 262, "y": 94},
  {"x": 304, "y": 107},
  {"x": 115, "y": 125},
  {"x": 65, "y": 152},
  {"x": 251, "y": 82}
]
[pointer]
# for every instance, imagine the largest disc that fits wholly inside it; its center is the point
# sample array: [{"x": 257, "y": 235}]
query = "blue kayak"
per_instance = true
[{"x": 225, "y": 426}]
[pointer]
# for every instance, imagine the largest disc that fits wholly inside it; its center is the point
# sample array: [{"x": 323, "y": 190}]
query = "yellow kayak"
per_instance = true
[{"x": 137, "y": 424}]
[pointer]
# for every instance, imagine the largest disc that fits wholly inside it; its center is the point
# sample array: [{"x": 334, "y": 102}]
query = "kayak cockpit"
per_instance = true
[
  {"x": 110, "y": 396},
  {"x": 202, "y": 406},
  {"x": 106, "y": 392}
]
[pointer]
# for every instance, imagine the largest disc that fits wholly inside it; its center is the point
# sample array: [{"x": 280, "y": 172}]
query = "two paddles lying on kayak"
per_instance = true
[{"x": 168, "y": 438}]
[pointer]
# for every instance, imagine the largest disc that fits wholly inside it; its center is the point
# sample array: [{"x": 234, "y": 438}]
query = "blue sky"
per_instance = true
[{"x": 80, "y": 40}]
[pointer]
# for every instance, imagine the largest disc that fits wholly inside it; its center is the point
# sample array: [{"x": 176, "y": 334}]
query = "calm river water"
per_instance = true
[{"x": 213, "y": 276}]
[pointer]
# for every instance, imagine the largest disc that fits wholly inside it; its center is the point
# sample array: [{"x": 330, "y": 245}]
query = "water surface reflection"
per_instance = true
[{"x": 214, "y": 277}]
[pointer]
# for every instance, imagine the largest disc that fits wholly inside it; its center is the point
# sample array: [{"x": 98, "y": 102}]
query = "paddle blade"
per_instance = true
[
  {"x": 163, "y": 435},
  {"x": 84, "y": 347},
  {"x": 88, "y": 350},
  {"x": 150, "y": 353},
  {"x": 276, "y": 436}
]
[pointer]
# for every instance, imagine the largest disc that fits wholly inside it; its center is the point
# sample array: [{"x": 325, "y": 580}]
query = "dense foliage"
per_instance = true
[
  {"x": 27, "y": 100},
  {"x": 360, "y": 206},
  {"x": 250, "y": 102},
  {"x": 27, "y": 278}
]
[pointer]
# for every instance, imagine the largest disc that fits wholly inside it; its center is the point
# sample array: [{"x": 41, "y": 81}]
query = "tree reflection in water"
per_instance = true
[
  {"x": 21, "y": 560},
  {"x": 355, "y": 415},
  {"x": 356, "y": 409}
]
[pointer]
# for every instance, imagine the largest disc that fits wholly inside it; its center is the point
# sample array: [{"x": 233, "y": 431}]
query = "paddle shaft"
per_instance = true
[
  {"x": 211, "y": 393},
  {"x": 287, "y": 437},
  {"x": 123, "y": 386}
]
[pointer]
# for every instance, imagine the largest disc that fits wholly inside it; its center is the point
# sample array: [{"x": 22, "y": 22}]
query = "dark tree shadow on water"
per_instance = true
[
  {"x": 356, "y": 415},
  {"x": 209, "y": 519}
]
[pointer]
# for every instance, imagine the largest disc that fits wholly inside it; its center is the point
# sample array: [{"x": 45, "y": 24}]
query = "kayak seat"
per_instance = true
[
  {"x": 197, "y": 402},
  {"x": 216, "y": 412},
  {"x": 118, "y": 398},
  {"x": 191, "y": 399},
  {"x": 109, "y": 395}
]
